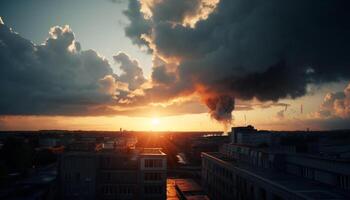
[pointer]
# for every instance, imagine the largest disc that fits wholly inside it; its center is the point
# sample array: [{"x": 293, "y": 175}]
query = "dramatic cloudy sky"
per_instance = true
[{"x": 190, "y": 64}]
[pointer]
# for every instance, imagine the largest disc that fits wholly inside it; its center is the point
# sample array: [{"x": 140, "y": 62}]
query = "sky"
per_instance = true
[{"x": 198, "y": 65}]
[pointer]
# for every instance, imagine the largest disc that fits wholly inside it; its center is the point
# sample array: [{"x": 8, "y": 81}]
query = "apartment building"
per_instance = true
[
  {"x": 244, "y": 169},
  {"x": 94, "y": 173}
]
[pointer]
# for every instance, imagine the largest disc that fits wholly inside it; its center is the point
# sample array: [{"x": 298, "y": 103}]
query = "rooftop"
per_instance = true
[
  {"x": 299, "y": 186},
  {"x": 189, "y": 189},
  {"x": 152, "y": 151},
  {"x": 198, "y": 197},
  {"x": 187, "y": 185}
]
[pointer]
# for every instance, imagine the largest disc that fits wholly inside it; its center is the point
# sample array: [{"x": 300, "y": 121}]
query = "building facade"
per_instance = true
[
  {"x": 245, "y": 169},
  {"x": 113, "y": 174}
]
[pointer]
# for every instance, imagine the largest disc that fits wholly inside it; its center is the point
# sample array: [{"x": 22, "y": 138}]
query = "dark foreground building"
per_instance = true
[
  {"x": 97, "y": 173},
  {"x": 275, "y": 166}
]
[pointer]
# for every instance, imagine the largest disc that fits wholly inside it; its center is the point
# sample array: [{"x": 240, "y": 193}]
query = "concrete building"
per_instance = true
[
  {"x": 96, "y": 173},
  {"x": 152, "y": 171},
  {"x": 117, "y": 175},
  {"x": 77, "y": 175},
  {"x": 246, "y": 169},
  {"x": 249, "y": 135}
]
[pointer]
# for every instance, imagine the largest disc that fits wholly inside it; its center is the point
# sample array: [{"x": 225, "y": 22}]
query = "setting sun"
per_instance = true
[{"x": 155, "y": 121}]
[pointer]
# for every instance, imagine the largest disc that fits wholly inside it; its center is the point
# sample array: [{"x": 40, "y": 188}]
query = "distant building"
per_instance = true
[
  {"x": 205, "y": 144},
  {"x": 49, "y": 142},
  {"x": 249, "y": 135},
  {"x": 251, "y": 167},
  {"x": 93, "y": 172}
]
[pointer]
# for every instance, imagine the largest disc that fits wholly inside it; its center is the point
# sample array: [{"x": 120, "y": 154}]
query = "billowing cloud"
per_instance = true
[
  {"x": 139, "y": 25},
  {"x": 160, "y": 75},
  {"x": 53, "y": 78},
  {"x": 336, "y": 104},
  {"x": 264, "y": 50},
  {"x": 132, "y": 72},
  {"x": 57, "y": 77}
]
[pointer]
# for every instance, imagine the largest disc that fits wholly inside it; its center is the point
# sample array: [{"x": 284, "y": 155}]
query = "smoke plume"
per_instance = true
[
  {"x": 221, "y": 108},
  {"x": 227, "y": 49}
]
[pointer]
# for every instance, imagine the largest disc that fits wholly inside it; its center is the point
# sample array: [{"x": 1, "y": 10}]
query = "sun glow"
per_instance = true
[{"x": 155, "y": 121}]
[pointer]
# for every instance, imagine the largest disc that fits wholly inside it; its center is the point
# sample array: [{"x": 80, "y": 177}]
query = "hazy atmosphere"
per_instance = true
[
  {"x": 174, "y": 99},
  {"x": 174, "y": 65}
]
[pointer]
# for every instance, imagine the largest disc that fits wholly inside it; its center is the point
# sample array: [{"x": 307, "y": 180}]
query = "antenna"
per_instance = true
[{"x": 301, "y": 109}]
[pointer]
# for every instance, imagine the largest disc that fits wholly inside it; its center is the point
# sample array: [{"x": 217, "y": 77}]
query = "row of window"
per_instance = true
[
  {"x": 126, "y": 177},
  {"x": 152, "y": 176},
  {"x": 152, "y": 163},
  {"x": 118, "y": 189},
  {"x": 217, "y": 169},
  {"x": 223, "y": 183},
  {"x": 310, "y": 173},
  {"x": 118, "y": 162}
]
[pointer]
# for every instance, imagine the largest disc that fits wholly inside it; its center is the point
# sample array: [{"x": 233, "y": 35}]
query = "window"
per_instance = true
[
  {"x": 150, "y": 163},
  {"x": 308, "y": 172},
  {"x": 344, "y": 181}
]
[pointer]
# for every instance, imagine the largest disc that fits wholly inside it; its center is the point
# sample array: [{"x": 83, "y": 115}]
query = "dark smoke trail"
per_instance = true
[{"x": 221, "y": 108}]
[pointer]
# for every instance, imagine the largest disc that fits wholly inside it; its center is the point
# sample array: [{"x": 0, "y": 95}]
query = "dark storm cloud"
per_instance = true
[
  {"x": 248, "y": 49},
  {"x": 132, "y": 72},
  {"x": 53, "y": 78},
  {"x": 174, "y": 10},
  {"x": 160, "y": 75},
  {"x": 278, "y": 81},
  {"x": 139, "y": 24},
  {"x": 57, "y": 77}
]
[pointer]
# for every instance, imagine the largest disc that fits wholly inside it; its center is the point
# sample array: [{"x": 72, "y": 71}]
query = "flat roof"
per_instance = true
[
  {"x": 296, "y": 185},
  {"x": 170, "y": 190},
  {"x": 187, "y": 185},
  {"x": 197, "y": 197},
  {"x": 152, "y": 151}
]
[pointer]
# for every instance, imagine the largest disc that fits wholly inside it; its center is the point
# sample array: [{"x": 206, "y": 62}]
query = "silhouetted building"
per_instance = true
[
  {"x": 205, "y": 144},
  {"x": 250, "y": 168},
  {"x": 97, "y": 173}
]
